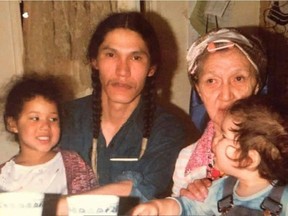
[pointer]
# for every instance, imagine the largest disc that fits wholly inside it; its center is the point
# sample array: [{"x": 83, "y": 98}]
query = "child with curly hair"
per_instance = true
[
  {"x": 253, "y": 153},
  {"x": 32, "y": 113}
]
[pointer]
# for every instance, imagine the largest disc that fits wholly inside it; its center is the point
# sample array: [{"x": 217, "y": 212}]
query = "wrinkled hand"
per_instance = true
[{"x": 197, "y": 190}]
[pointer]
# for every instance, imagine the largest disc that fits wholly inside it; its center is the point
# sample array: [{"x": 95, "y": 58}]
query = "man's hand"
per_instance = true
[{"x": 197, "y": 190}]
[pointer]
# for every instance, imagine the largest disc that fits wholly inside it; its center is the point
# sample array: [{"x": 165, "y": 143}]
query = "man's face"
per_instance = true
[{"x": 123, "y": 62}]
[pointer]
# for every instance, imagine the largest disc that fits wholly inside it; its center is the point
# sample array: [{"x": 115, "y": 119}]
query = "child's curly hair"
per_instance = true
[
  {"x": 22, "y": 89},
  {"x": 263, "y": 126}
]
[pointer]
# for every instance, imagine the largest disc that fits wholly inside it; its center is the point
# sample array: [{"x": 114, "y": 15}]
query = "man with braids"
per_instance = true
[{"x": 131, "y": 143}]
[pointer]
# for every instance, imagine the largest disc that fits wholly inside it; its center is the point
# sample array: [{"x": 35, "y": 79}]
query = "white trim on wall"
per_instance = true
[
  {"x": 17, "y": 36},
  {"x": 11, "y": 39},
  {"x": 11, "y": 61}
]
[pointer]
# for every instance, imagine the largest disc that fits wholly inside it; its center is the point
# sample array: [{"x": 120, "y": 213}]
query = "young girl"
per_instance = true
[
  {"x": 253, "y": 150},
  {"x": 32, "y": 113}
]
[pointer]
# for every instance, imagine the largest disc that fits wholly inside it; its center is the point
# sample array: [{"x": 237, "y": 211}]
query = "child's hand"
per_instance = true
[
  {"x": 157, "y": 207},
  {"x": 148, "y": 208},
  {"x": 197, "y": 190},
  {"x": 62, "y": 206}
]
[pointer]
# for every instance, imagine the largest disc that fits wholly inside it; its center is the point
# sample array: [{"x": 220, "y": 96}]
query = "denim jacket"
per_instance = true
[{"x": 152, "y": 174}]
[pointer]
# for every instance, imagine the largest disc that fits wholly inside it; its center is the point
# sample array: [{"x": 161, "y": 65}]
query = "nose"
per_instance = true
[
  {"x": 45, "y": 125},
  {"x": 226, "y": 92},
  {"x": 123, "y": 68}
]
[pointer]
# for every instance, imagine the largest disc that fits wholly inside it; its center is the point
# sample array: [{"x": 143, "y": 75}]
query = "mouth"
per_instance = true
[
  {"x": 121, "y": 85},
  {"x": 43, "y": 138}
]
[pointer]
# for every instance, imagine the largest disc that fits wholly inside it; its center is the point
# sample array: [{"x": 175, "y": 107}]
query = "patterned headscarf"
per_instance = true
[{"x": 250, "y": 46}]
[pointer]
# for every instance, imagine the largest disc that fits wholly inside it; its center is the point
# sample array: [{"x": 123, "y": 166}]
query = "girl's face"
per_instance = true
[
  {"x": 38, "y": 126},
  {"x": 225, "y": 149},
  {"x": 226, "y": 76}
]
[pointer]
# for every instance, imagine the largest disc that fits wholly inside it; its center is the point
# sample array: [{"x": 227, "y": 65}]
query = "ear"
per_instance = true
[
  {"x": 152, "y": 71},
  {"x": 198, "y": 90},
  {"x": 94, "y": 64},
  {"x": 11, "y": 125},
  {"x": 256, "y": 90},
  {"x": 254, "y": 159}
]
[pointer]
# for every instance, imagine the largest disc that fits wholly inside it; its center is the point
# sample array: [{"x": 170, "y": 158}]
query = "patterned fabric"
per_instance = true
[
  {"x": 80, "y": 176},
  {"x": 202, "y": 154},
  {"x": 193, "y": 162},
  {"x": 180, "y": 180},
  {"x": 250, "y": 46},
  {"x": 222, "y": 35}
]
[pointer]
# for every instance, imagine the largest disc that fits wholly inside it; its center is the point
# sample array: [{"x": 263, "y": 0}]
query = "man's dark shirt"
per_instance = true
[{"x": 151, "y": 174}]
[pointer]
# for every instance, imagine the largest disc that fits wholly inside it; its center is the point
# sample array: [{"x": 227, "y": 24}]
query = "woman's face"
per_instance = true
[{"x": 226, "y": 76}]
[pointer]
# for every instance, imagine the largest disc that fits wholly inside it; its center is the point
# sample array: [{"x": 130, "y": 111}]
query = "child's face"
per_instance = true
[
  {"x": 38, "y": 125},
  {"x": 225, "y": 149}
]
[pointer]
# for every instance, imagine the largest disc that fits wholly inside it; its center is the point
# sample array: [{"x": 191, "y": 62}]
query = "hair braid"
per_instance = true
[
  {"x": 96, "y": 117},
  {"x": 96, "y": 103},
  {"x": 149, "y": 95}
]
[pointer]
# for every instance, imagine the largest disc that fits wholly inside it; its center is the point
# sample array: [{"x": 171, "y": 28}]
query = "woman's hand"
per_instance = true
[{"x": 197, "y": 190}]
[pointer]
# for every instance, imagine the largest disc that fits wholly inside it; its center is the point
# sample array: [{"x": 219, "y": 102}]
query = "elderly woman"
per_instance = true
[{"x": 224, "y": 66}]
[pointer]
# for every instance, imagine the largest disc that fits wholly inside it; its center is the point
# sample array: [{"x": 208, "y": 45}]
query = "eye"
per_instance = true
[
  {"x": 228, "y": 138},
  {"x": 34, "y": 118},
  {"x": 221, "y": 138},
  {"x": 210, "y": 81},
  {"x": 109, "y": 54},
  {"x": 224, "y": 137},
  {"x": 54, "y": 119},
  {"x": 240, "y": 78},
  {"x": 136, "y": 57}
]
